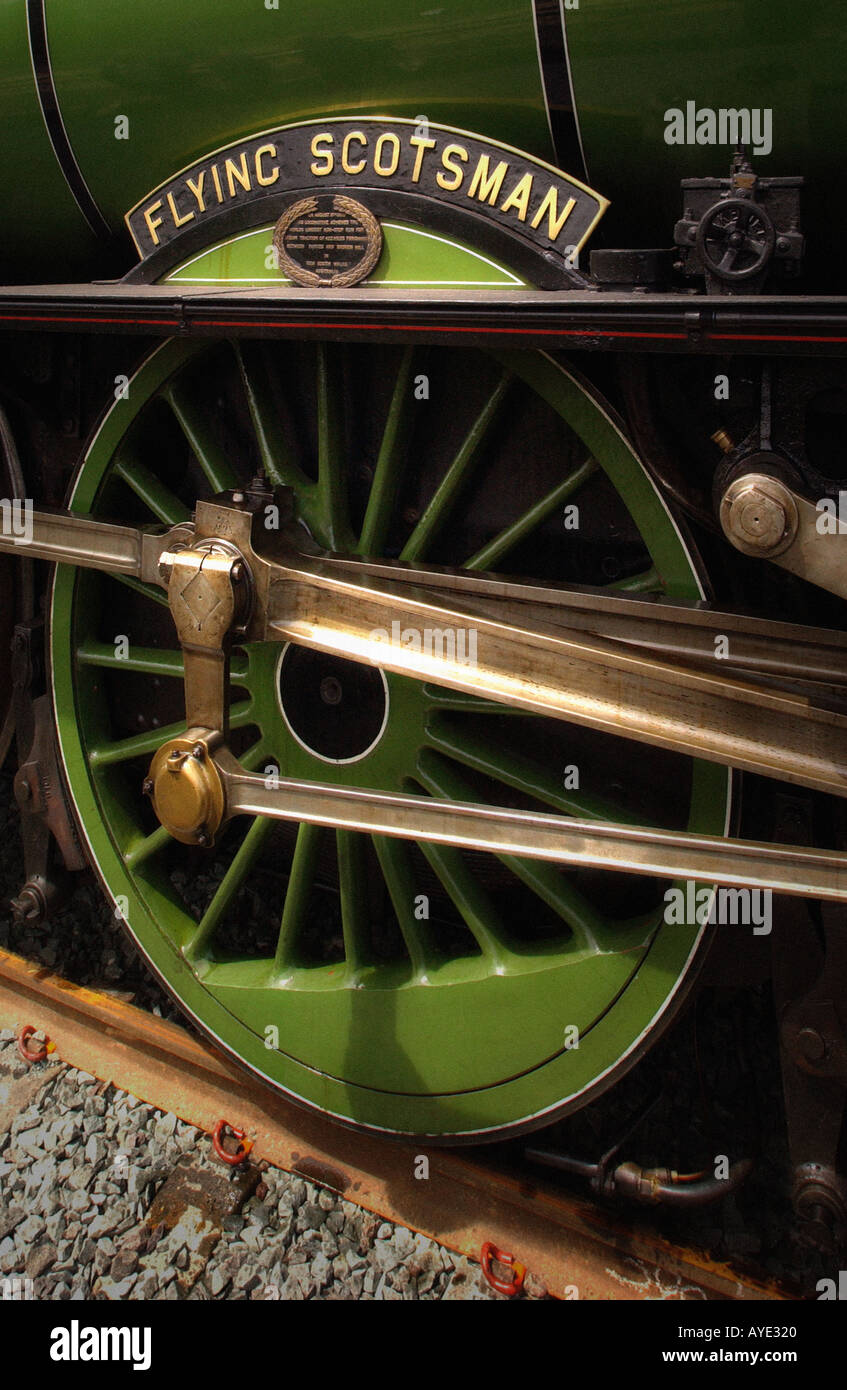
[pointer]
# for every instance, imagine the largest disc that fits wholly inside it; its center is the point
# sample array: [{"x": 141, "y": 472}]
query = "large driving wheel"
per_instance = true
[{"x": 411, "y": 988}]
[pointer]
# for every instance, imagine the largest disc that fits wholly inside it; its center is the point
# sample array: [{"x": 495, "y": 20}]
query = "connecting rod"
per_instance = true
[{"x": 649, "y": 671}]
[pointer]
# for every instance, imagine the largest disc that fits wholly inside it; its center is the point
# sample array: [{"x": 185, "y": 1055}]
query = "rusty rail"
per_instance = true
[{"x": 576, "y": 1248}]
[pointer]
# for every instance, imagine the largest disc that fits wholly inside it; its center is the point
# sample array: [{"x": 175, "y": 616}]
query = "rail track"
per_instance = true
[{"x": 576, "y": 1249}]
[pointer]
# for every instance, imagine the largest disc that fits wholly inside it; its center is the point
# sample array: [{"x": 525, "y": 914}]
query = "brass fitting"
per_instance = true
[{"x": 186, "y": 788}]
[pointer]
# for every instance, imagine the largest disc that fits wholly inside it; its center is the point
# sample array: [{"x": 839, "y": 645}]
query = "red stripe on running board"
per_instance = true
[
  {"x": 69, "y": 318},
  {"x": 444, "y": 328},
  {"x": 435, "y": 328},
  {"x": 364, "y": 327},
  {"x": 539, "y": 332}
]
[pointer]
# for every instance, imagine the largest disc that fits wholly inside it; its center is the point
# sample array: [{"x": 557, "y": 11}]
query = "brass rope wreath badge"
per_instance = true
[{"x": 334, "y": 245}]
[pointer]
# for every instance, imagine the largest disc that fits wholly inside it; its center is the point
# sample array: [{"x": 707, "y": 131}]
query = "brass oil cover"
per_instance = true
[{"x": 186, "y": 790}]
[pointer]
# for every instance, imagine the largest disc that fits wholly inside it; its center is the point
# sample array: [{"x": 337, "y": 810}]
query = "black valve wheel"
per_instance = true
[{"x": 735, "y": 240}]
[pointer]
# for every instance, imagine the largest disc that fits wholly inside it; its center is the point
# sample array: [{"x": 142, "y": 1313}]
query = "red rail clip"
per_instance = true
[
  {"x": 40, "y": 1051},
  {"x": 222, "y": 1130},
  {"x": 518, "y": 1271}
]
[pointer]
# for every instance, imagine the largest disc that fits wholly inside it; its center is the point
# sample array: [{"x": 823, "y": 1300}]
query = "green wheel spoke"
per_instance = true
[
  {"x": 162, "y": 502},
  {"x": 139, "y": 587},
  {"x": 591, "y": 931},
  {"x": 141, "y": 745},
  {"x": 588, "y": 926},
  {"x": 145, "y": 847},
  {"x": 254, "y": 755},
  {"x": 396, "y": 865},
  {"x": 449, "y": 489},
  {"x": 243, "y": 861},
  {"x": 332, "y": 478},
  {"x": 473, "y": 903},
  {"x": 458, "y": 702},
  {"x": 301, "y": 881},
  {"x": 194, "y": 423},
  {"x": 510, "y": 536},
  {"x": 274, "y": 451},
  {"x": 353, "y": 894},
  {"x": 156, "y": 661},
  {"x": 391, "y": 462},
  {"x": 463, "y": 744},
  {"x": 648, "y": 582}
]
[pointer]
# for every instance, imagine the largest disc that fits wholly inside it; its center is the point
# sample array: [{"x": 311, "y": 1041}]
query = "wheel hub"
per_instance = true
[{"x": 337, "y": 710}]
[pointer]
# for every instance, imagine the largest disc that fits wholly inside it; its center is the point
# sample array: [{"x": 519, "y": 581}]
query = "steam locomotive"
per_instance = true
[{"x": 422, "y": 507}]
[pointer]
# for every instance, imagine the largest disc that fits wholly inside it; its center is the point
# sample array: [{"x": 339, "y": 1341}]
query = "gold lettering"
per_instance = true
[
  {"x": 266, "y": 179},
  {"x": 455, "y": 169},
  {"x": 421, "y": 146},
  {"x": 319, "y": 140},
  {"x": 519, "y": 197},
  {"x": 489, "y": 185},
  {"x": 216, "y": 181},
  {"x": 550, "y": 206},
  {"x": 153, "y": 222},
  {"x": 178, "y": 221},
  {"x": 345, "y": 152},
  {"x": 380, "y": 146},
  {"x": 197, "y": 189},
  {"x": 240, "y": 173}
]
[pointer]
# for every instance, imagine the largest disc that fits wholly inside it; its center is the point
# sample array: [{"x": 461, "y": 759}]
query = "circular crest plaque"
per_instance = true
[{"x": 328, "y": 240}]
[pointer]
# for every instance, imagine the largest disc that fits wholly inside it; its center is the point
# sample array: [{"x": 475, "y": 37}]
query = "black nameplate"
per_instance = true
[{"x": 391, "y": 166}]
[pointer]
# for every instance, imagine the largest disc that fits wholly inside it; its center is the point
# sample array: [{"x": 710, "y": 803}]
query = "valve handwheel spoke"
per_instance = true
[{"x": 410, "y": 987}]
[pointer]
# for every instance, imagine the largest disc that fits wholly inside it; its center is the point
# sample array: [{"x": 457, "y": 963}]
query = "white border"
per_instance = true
[{"x": 336, "y": 762}]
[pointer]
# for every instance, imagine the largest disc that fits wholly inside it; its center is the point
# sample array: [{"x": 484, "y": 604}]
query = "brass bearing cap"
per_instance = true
[
  {"x": 759, "y": 515},
  {"x": 186, "y": 790}
]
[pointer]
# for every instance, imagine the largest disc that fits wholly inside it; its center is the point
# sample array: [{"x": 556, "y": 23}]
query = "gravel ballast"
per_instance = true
[{"x": 81, "y": 1164}]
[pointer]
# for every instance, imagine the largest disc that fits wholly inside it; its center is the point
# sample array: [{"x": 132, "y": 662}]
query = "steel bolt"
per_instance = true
[
  {"x": 758, "y": 518},
  {"x": 331, "y": 691},
  {"x": 204, "y": 839},
  {"x": 29, "y": 905},
  {"x": 812, "y": 1045},
  {"x": 198, "y": 752},
  {"x": 147, "y": 786}
]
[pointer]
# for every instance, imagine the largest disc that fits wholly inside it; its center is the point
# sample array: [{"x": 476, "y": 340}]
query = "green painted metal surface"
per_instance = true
[
  {"x": 192, "y": 77},
  {"x": 410, "y": 256},
  {"x": 434, "y": 1033},
  {"x": 631, "y": 62},
  {"x": 42, "y": 231}
]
